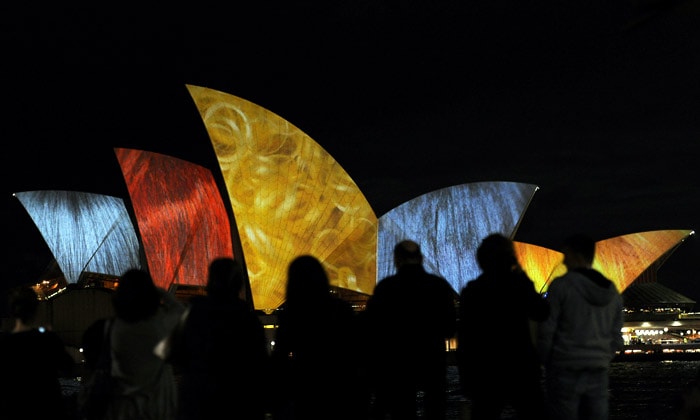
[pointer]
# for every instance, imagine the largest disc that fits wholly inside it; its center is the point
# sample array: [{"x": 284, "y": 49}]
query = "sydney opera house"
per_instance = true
[{"x": 277, "y": 194}]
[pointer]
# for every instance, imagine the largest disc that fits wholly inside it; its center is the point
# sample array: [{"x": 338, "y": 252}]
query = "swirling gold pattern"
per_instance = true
[{"x": 289, "y": 197}]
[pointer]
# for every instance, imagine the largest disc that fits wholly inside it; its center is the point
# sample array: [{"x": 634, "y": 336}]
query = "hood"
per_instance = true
[{"x": 594, "y": 287}]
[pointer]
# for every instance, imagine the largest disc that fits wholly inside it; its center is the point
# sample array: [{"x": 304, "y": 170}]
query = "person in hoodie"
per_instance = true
[{"x": 579, "y": 339}]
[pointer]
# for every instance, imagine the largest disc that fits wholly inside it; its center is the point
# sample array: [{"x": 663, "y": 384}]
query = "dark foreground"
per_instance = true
[{"x": 646, "y": 390}]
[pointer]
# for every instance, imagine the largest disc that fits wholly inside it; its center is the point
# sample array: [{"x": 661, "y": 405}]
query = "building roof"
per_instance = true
[
  {"x": 649, "y": 295},
  {"x": 290, "y": 197},
  {"x": 287, "y": 197}
]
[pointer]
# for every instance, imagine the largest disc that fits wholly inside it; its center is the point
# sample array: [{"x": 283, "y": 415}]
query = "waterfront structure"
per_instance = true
[
  {"x": 288, "y": 196},
  {"x": 659, "y": 323},
  {"x": 655, "y": 314}
]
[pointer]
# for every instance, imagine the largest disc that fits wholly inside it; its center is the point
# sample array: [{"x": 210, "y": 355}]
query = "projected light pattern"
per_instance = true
[
  {"x": 449, "y": 224},
  {"x": 538, "y": 262},
  {"x": 85, "y": 232},
  {"x": 622, "y": 259},
  {"x": 289, "y": 197},
  {"x": 180, "y": 216}
]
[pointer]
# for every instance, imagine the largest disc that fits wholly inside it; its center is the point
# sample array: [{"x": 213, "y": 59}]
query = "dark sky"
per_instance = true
[{"x": 596, "y": 102}]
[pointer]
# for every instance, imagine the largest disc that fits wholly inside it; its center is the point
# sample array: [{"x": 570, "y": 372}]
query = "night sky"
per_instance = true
[{"x": 596, "y": 102}]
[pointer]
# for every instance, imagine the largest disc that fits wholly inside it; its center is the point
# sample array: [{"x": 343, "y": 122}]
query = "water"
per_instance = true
[{"x": 649, "y": 390}]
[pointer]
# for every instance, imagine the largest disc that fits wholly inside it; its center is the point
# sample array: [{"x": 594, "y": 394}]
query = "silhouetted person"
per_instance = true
[
  {"x": 32, "y": 359},
  {"x": 580, "y": 338},
  {"x": 410, "y": 316},
  {"x": 91, "y": 342},
  {"x": 498, "y": 370},
  {"x": 221, "y": 351},
  {"x": 315, "y": 365},
  {"x": 97, "y": 355},
  {"x": 144, "y": 315}
]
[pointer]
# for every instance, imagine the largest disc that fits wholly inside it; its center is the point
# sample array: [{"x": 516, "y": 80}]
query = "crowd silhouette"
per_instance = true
[
  {"x": 502, "y": 295},
  {"x": 408, "y": 319},
  {"x": 145, "y": 383},
  {"x": 197, "y": 359},
  {"x": 316, "y": 367},
  {"x": 33, "y": 358},
  {"x": 220, "y": 350}
]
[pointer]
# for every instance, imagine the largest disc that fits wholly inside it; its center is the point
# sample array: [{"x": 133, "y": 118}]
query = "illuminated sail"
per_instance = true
[
  {"x": 622, "y": 259},
  {"x": 538, "y": 262},
  {"x": 180, "y": 216},
  {"x": 85, "y": 232},
  {"x": 289, "y": 197},
  {"x": 449, "y": 224}
]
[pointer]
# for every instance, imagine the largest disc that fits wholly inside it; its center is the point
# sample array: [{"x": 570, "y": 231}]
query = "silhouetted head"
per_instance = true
[
  {"x": 23, "y": 304},
  {"x": 137, "y": 297},
  {"x": 307, "y": 280},
  {"x": 496, "y": 254},
  {"x": 407, "y": 252},
  {"x": 225, "y": 279},
  {"x": 579, "y": 251}
]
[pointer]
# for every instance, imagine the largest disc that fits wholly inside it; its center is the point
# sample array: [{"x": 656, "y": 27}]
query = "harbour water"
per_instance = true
[
  {"x": 644, "y": 390},
  {"x": 649, "y": 390},
  {"x": 640, "y": 390}
]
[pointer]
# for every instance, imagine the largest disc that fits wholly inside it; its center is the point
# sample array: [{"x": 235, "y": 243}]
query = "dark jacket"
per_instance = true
[
  {"x": 32, "y": 362},
  {"x": 409, "y": 317},
  {"x": 222, "y": 356},
  {"x": 315, "y": 364},
  {"x": 497, "y": 315}
]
